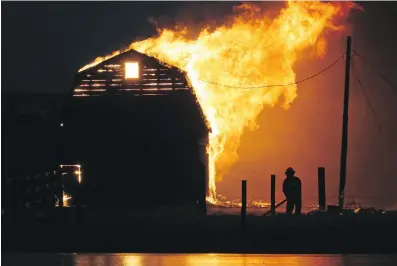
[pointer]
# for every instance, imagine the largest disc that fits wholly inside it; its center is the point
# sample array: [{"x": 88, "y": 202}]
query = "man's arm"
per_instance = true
[
  {"x": 299, "y": 184},
  {"x": 285, "y": 188}
]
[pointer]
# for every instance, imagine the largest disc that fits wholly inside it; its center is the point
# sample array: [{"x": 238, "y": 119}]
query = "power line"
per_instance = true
[
  {"x": 382, "y": 76},
  {"x": 276, "y": 85},
  {"x": 367, "y": 99}
]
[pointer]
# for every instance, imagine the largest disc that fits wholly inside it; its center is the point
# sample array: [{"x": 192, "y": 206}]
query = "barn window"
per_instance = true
[{"x": 131, "y": 70}]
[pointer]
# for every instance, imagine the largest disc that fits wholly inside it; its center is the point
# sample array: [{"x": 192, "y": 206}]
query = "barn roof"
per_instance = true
[
  {"x": 116, "y": 56},
  {"x": 109, "y": 77},
  {"x": 155, "y": 79}
]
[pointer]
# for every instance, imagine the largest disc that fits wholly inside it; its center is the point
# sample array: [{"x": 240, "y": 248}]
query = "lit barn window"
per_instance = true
[{"x": 131, "y": 70}]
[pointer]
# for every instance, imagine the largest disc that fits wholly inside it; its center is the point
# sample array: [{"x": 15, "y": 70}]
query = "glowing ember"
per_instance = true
[
  {"x": 66, "y": 199},
  {"x": 221, "y": 201},
  {"x": 251, "y": 52},
  {"x": 78, "y": 172},
  {"x": 98, "y": 60}
]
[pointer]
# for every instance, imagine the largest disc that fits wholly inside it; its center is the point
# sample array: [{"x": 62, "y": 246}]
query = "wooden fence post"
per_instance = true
[
  {"x": 273, "y": 194},
  {"x": 321, "y": 189}
]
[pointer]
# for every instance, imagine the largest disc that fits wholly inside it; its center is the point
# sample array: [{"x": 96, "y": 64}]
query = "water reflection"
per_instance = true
[
  {"x": 240, "y": 260},
  {"x": 235, "y": 260},
  {"x": 132, "y": 260},
  {"x": 194, "y": 260}
]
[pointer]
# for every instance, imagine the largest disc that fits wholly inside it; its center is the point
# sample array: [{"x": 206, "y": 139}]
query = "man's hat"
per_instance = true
[{"x": 290, "y": 170}]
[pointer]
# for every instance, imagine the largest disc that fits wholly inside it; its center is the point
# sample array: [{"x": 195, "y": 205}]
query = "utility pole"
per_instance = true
[
  {"x": 243, "y": 202},
  {"x": 343, "y": 157}
]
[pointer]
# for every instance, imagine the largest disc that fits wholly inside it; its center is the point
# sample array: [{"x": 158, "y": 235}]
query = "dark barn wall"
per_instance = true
[
  {"x": 136, "y": 151},
  {"x": 138, "y": 140}
]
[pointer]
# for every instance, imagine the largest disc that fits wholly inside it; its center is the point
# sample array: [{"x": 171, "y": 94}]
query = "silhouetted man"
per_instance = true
[{"x": 292, "y": 188}]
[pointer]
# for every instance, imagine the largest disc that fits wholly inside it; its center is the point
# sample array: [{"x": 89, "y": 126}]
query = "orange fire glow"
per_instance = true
[{"x": 253, "y": 51}]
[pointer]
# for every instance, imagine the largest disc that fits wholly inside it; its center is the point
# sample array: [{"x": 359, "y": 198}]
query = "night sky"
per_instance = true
[
  {"x": 50, "y": 41},
  {"x": 44, "y": 44}
]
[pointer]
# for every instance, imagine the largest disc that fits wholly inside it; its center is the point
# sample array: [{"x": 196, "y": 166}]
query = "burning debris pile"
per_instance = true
[
  {"x": 222, "y": 201},
  {"x": 234, "y": 81}
]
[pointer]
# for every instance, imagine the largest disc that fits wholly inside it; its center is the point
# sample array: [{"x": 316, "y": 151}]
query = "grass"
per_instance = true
[{"x": 181, "y": 230}]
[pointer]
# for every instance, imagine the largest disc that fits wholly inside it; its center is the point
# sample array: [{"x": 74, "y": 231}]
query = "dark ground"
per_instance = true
[{"x": 182, "y": 232}]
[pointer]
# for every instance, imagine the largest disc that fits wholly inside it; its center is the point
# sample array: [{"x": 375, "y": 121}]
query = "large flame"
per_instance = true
[{"x": 252, "y": 51}]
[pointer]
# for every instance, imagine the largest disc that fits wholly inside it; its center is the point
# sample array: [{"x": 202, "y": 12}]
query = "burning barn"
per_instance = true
[{"x": 135, "y": 126}]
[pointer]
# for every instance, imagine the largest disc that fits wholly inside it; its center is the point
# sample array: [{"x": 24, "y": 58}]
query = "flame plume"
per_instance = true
[{"x": 250, "y": 52}]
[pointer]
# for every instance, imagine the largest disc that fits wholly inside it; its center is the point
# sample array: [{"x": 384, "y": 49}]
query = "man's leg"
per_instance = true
[
  {"x": 290, "y": 207},
  {"x": 298, "y": 207}
]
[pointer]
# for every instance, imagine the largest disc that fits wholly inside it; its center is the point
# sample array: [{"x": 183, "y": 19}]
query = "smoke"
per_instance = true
[{"x": 197, "y": 16}]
